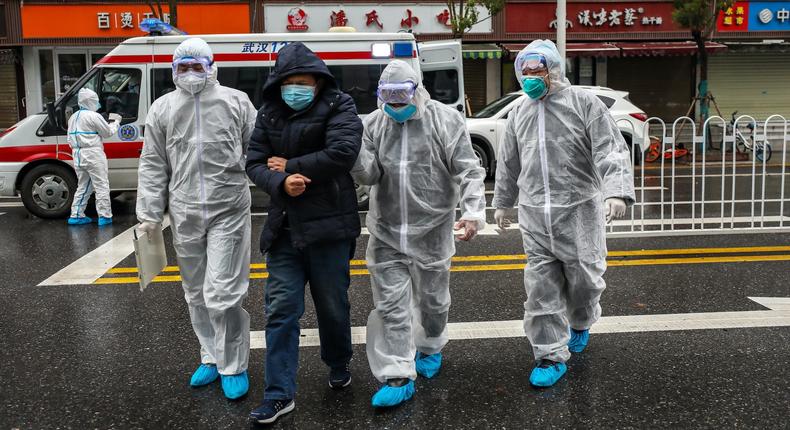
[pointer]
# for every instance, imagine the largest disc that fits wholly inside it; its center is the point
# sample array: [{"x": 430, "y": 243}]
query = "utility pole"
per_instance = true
[{"x": 561, "y": 18}]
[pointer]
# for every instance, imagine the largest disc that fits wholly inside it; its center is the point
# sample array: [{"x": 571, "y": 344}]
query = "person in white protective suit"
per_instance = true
[
  {"x": 193, "y": 162},
  {"x": 418, "y": 158},
  {"x": 86, "y": 133},
  {"x": 565, "y": 163}
]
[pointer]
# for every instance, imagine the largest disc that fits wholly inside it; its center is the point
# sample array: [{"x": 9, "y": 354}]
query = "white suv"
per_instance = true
[{"x": 487, "y": 127}]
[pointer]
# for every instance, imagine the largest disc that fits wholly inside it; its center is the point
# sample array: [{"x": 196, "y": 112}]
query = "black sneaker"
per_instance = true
[
  {"x": 339, "y": 377},
  {"x": 270, "y": 410}
]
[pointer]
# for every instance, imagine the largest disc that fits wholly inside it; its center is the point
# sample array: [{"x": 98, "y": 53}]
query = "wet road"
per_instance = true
[{"x": 682, "y": 344}]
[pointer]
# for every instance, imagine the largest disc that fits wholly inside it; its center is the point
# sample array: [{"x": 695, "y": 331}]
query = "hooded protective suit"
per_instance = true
[
  {"x": 86, "y": 131},
  {"x": 193, "y": 160},
  {"x": 418, "y": 170},
  {"x": 561, "y": 157}
]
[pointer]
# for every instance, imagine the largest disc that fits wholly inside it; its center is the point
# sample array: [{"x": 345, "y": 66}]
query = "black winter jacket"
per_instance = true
[{"x": 320, "y": 142}]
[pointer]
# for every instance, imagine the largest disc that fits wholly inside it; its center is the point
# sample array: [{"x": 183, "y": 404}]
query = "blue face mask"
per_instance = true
[
  {"x": 297, "y": 97},
  {"x": 534, "y": 86},
  {"x": 401, "y": 114}
]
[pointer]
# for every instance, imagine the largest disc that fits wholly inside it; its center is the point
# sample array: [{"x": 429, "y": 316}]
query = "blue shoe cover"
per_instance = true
[
  {"x": 80, "y": 220},
  {"x": 204, "y": 375},
  {"x": 104, "y": 221},
  {"x": 235, "y": 386},
  {"x": 548, "y": 375},
  {"x": 428, "y": 365},
  {"x": 579, "y": 340},
  {"x": 392, "y": 396}
]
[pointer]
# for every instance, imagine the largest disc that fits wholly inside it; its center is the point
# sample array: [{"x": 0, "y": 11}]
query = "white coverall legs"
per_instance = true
[
  {"x": 412, "y": 300},
  {"x": 563, "y": 287},
  {"x": 91, "y": 175},
  {"x": 215, "y": 269}
]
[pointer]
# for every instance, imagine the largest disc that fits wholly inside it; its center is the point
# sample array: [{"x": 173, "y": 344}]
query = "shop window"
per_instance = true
[
  {"x": 361, "y": 83},
  {"x": 442, "y": 85},
  {"x": 3, "y": 27},
  {"x": 46, "y": 69}
]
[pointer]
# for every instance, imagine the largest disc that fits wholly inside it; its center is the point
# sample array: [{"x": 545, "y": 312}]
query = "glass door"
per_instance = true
[{"x": 70, "y": 66}]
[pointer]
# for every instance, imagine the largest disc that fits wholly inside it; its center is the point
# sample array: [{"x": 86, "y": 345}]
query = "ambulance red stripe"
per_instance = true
[{"x": 26, "y": 154}]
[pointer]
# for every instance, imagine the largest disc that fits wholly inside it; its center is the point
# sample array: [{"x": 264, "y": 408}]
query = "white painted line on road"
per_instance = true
[
  {"x": 11, "y": 205},
  {"x": 2, "y": 213},
  {"x": 777, "y": 316},
  {"x": 91, "y": 266}
]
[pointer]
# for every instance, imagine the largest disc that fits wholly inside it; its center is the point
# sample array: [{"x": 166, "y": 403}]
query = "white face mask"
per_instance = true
[{"x": 191, "y": 82}]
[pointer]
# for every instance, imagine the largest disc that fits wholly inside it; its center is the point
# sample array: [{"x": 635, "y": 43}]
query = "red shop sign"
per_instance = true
[{"x": 591, "y": 17}]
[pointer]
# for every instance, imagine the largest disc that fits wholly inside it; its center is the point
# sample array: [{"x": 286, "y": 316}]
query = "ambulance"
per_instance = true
[{"x": 35, "y": 158}]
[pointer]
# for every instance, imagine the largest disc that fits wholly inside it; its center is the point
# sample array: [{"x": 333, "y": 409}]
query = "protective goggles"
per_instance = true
[
  {"x": 190, "y": 64},
  {"x": 531, "y": 62},
  {"x": 396, "y": 93}
]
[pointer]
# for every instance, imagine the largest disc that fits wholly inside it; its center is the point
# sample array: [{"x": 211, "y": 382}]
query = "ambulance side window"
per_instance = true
[
  {"x": 118, "y": 90},
  {"x": 442, "y": 85},
  {"x": 360, "y": 82},
  {"x": 247, "y": 79},
  {"x": 162, "y": 82}
]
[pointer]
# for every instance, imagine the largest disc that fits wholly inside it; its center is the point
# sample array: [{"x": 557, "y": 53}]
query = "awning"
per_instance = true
[
  {"x": 660, "y": 49},
  {"x": 482, "y": 52},
  {"x": 627, "y": 49},
  {"x": 576, "y": 49}
]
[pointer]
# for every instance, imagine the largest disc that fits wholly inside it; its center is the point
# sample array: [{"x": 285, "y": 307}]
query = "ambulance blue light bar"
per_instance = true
[{"x": 402, "y": 49}]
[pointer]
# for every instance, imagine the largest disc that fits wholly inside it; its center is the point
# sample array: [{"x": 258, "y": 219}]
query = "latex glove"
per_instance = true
[
  {"x": 615, "y": 208},
  {"x": 277, "y": 164},
  {"x": 500, "y": 217},
  {"x": 148, "y": 228},
  {"x": 470, "y": 230},
  {"x": 296, "y": 184},
  {"x": 115, "y": 117}
]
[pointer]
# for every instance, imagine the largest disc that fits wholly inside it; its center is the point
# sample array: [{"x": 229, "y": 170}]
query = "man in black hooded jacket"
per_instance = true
[{"x": 306, "y": 140}]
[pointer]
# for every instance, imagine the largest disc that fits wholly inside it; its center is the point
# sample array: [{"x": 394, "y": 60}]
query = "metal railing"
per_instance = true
[{"x": 708, "y": 191}]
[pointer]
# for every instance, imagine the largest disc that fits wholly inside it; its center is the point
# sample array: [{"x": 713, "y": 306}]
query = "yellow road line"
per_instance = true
[
  {"x": 510, "y": 257},
  {"x": 482, "y": 258},
  {"x": 517, "y": 266}
]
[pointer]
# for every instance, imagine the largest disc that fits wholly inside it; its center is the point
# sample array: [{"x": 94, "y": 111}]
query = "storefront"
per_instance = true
[
  {"x": 427, "y": 20},
  {"x": 753, "y": 77},
  {"x": 625, "y": 45},
  {"x": 61, "y": 42}
]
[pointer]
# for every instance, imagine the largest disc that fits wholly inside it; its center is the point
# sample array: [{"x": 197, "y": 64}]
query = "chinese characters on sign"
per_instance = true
[
  {"x": 373, "y": 18},
  {"x": 124, "y": 20},
  {"x": 338, "y": 19},
  {"x": 444, "y": 18},
  {"x": 410, "y": 20},
  {"x": 616, "y": 17},
  {"x": 755, "y": 16}
]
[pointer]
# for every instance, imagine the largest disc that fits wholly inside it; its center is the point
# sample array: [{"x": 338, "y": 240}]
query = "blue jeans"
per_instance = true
[{"x": 326, "y": 267}]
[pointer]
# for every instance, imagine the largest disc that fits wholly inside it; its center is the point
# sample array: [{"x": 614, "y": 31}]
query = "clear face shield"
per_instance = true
[
  {"x": 532, "y": 64},
  {"x": 396, "y": 92},
  {"x": 200, "y": 67}
]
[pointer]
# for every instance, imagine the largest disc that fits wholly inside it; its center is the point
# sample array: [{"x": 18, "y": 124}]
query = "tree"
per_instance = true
[
  {"x": 464, "y": 15},
  {"x": 157, "y": 11},
  {"x": 699, "y": 16}
]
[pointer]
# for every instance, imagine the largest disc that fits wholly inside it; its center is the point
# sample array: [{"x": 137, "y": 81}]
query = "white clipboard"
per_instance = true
[{"x": 149, "y": 251}]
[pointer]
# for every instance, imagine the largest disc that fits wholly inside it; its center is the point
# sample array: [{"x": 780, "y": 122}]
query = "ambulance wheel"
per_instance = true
[{"x": 47, "y": 191}]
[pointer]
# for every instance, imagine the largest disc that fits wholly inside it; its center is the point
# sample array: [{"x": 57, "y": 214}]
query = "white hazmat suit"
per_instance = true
[
  {"x": 87, "y": 130},
  {"x": 193, "y": 161},
  {"x": 561, "y": 157},
  {"x": 418, "y": 171}
]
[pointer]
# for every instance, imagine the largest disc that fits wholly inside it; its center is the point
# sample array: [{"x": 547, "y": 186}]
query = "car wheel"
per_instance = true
[
  {"x": 47, "y": 191},
  {"x": 482, "y": 158},
  {"x": 363, "y": 196}
]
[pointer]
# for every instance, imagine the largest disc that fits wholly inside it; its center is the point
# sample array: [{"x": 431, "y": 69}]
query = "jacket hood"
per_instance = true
[{"x": 296, "y": 59}]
